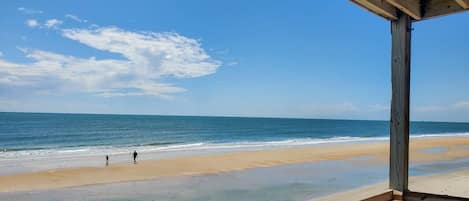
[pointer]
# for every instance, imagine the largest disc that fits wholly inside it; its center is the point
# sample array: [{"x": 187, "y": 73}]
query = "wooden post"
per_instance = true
[{"x": 399, "y": 125}]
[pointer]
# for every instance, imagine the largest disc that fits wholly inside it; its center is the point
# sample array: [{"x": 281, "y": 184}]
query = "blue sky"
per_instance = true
[{"x": 308, "y": 59}]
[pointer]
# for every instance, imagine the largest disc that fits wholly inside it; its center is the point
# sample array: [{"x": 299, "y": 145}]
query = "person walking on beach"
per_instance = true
[
  {"x": 107, "y": 160},
  {"x": 135, "y": 156}
]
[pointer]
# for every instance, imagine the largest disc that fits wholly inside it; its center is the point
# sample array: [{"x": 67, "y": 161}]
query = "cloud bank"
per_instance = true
[
  {"x": 29, "y": 11},
  {"x": 461, "y": 105},
  {"x": 75, "y": 18},
  {"x": 32, "y": 23},
  {"x": 52, "y": 23},
  {"x": 147, "y": 58}
]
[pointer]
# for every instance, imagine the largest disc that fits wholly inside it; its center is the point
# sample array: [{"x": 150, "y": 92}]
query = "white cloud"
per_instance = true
[
  {"x": 148, "y": 57},
  {"x": 331, "y": 109},
  {"x": 157, "y": 54},
  {"x": 32, "y": 23},
  {"x": 221, "y": 52},
  {"x": 233, "y": 63},
  {"x": 435, "y": 108},
  {"x": 29, "y": 11},
  {"x": 379, "y": 107},
  {"x": 461, "y": 105},
  {"x": 52, "y": 23},
  {"x": 430, "y": 109},
  {"x": 75, "y": 18},
  {"x": 1, "y": 53},
  {"x": 7, "y": 105}
]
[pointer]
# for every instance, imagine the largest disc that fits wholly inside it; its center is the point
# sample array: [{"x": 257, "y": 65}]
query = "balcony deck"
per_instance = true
[{"x": 401, "y": 14}]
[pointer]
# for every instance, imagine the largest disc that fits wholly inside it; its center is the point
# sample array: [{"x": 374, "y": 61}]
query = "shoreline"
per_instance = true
[
  {"x": 226, "y": 162},
  {"x": 24, "y": 161}
]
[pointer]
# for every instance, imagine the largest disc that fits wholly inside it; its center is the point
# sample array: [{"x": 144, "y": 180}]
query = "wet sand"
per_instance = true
[
  {"x": 225, "y": 162},
  {"x": 454, "y": 184}
]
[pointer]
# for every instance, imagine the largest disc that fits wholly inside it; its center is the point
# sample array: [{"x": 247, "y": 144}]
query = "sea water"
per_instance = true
[{"x": 37, "y": 135}]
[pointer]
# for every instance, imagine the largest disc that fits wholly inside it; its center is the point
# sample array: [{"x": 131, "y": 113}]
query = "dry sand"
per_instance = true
[{"x": 215, "y": 163}]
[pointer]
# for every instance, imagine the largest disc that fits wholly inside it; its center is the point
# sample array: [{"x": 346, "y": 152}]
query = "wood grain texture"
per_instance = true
[
  {"x": 386, "y": 196},
  {"x": 410, "y": 7},
  {"x": 399, "y": 125},
  {"x": 379, "y": 7},
  {"x": 463, "y": 3},
  {"x": 415, "y": 196},
  {"x": 436, "y": 8},
  {"x": 417, "y": 9}
]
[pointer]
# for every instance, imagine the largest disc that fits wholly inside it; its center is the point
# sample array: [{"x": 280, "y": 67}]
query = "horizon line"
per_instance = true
[{"x": 225, "y": 116}]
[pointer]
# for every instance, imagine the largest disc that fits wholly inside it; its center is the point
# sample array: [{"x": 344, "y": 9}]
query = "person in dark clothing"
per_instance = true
[
  {"x": 135, "y": 156},
  {"x": 107, "y": 160}
]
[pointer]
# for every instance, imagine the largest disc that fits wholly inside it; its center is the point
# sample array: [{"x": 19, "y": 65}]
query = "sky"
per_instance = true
[{"x": 301, "y": 59}]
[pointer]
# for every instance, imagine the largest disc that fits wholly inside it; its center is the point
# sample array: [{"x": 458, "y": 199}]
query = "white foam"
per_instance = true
[{"x": 102, "y": 150}]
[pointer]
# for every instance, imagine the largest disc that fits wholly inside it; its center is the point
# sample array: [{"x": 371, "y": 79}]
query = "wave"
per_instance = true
[
  {"x": 158, "y": 143},
  {"x": 38, "y": 153}
]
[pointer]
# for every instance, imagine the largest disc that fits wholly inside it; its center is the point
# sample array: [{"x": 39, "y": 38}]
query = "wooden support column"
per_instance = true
[{"x": 399, "y": 125}]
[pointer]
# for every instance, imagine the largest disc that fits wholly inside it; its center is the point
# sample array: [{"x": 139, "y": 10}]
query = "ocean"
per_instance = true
[{"x": 44, "y": 134}]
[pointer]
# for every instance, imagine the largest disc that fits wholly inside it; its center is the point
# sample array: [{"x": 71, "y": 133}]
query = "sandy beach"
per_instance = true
[{"x": 215, "y": 163}]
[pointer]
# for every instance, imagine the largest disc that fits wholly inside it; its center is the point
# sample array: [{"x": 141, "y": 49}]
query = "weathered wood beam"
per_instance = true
[
  {"x": 399, "y": 125},
  {"x": 379, "y": 7},
  {"x": 417, "y": 9},
  {"x": 410, "y": 7},
  {"x": 386, "y": 196},
  {"x": 463, "y": 3},
  {"x": 415, "y": 196},
  {"x": 434, "y": 8}
]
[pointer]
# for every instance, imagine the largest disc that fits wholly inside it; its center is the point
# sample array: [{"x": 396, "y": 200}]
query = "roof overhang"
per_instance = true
[{"x": 417, "y": 9}]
